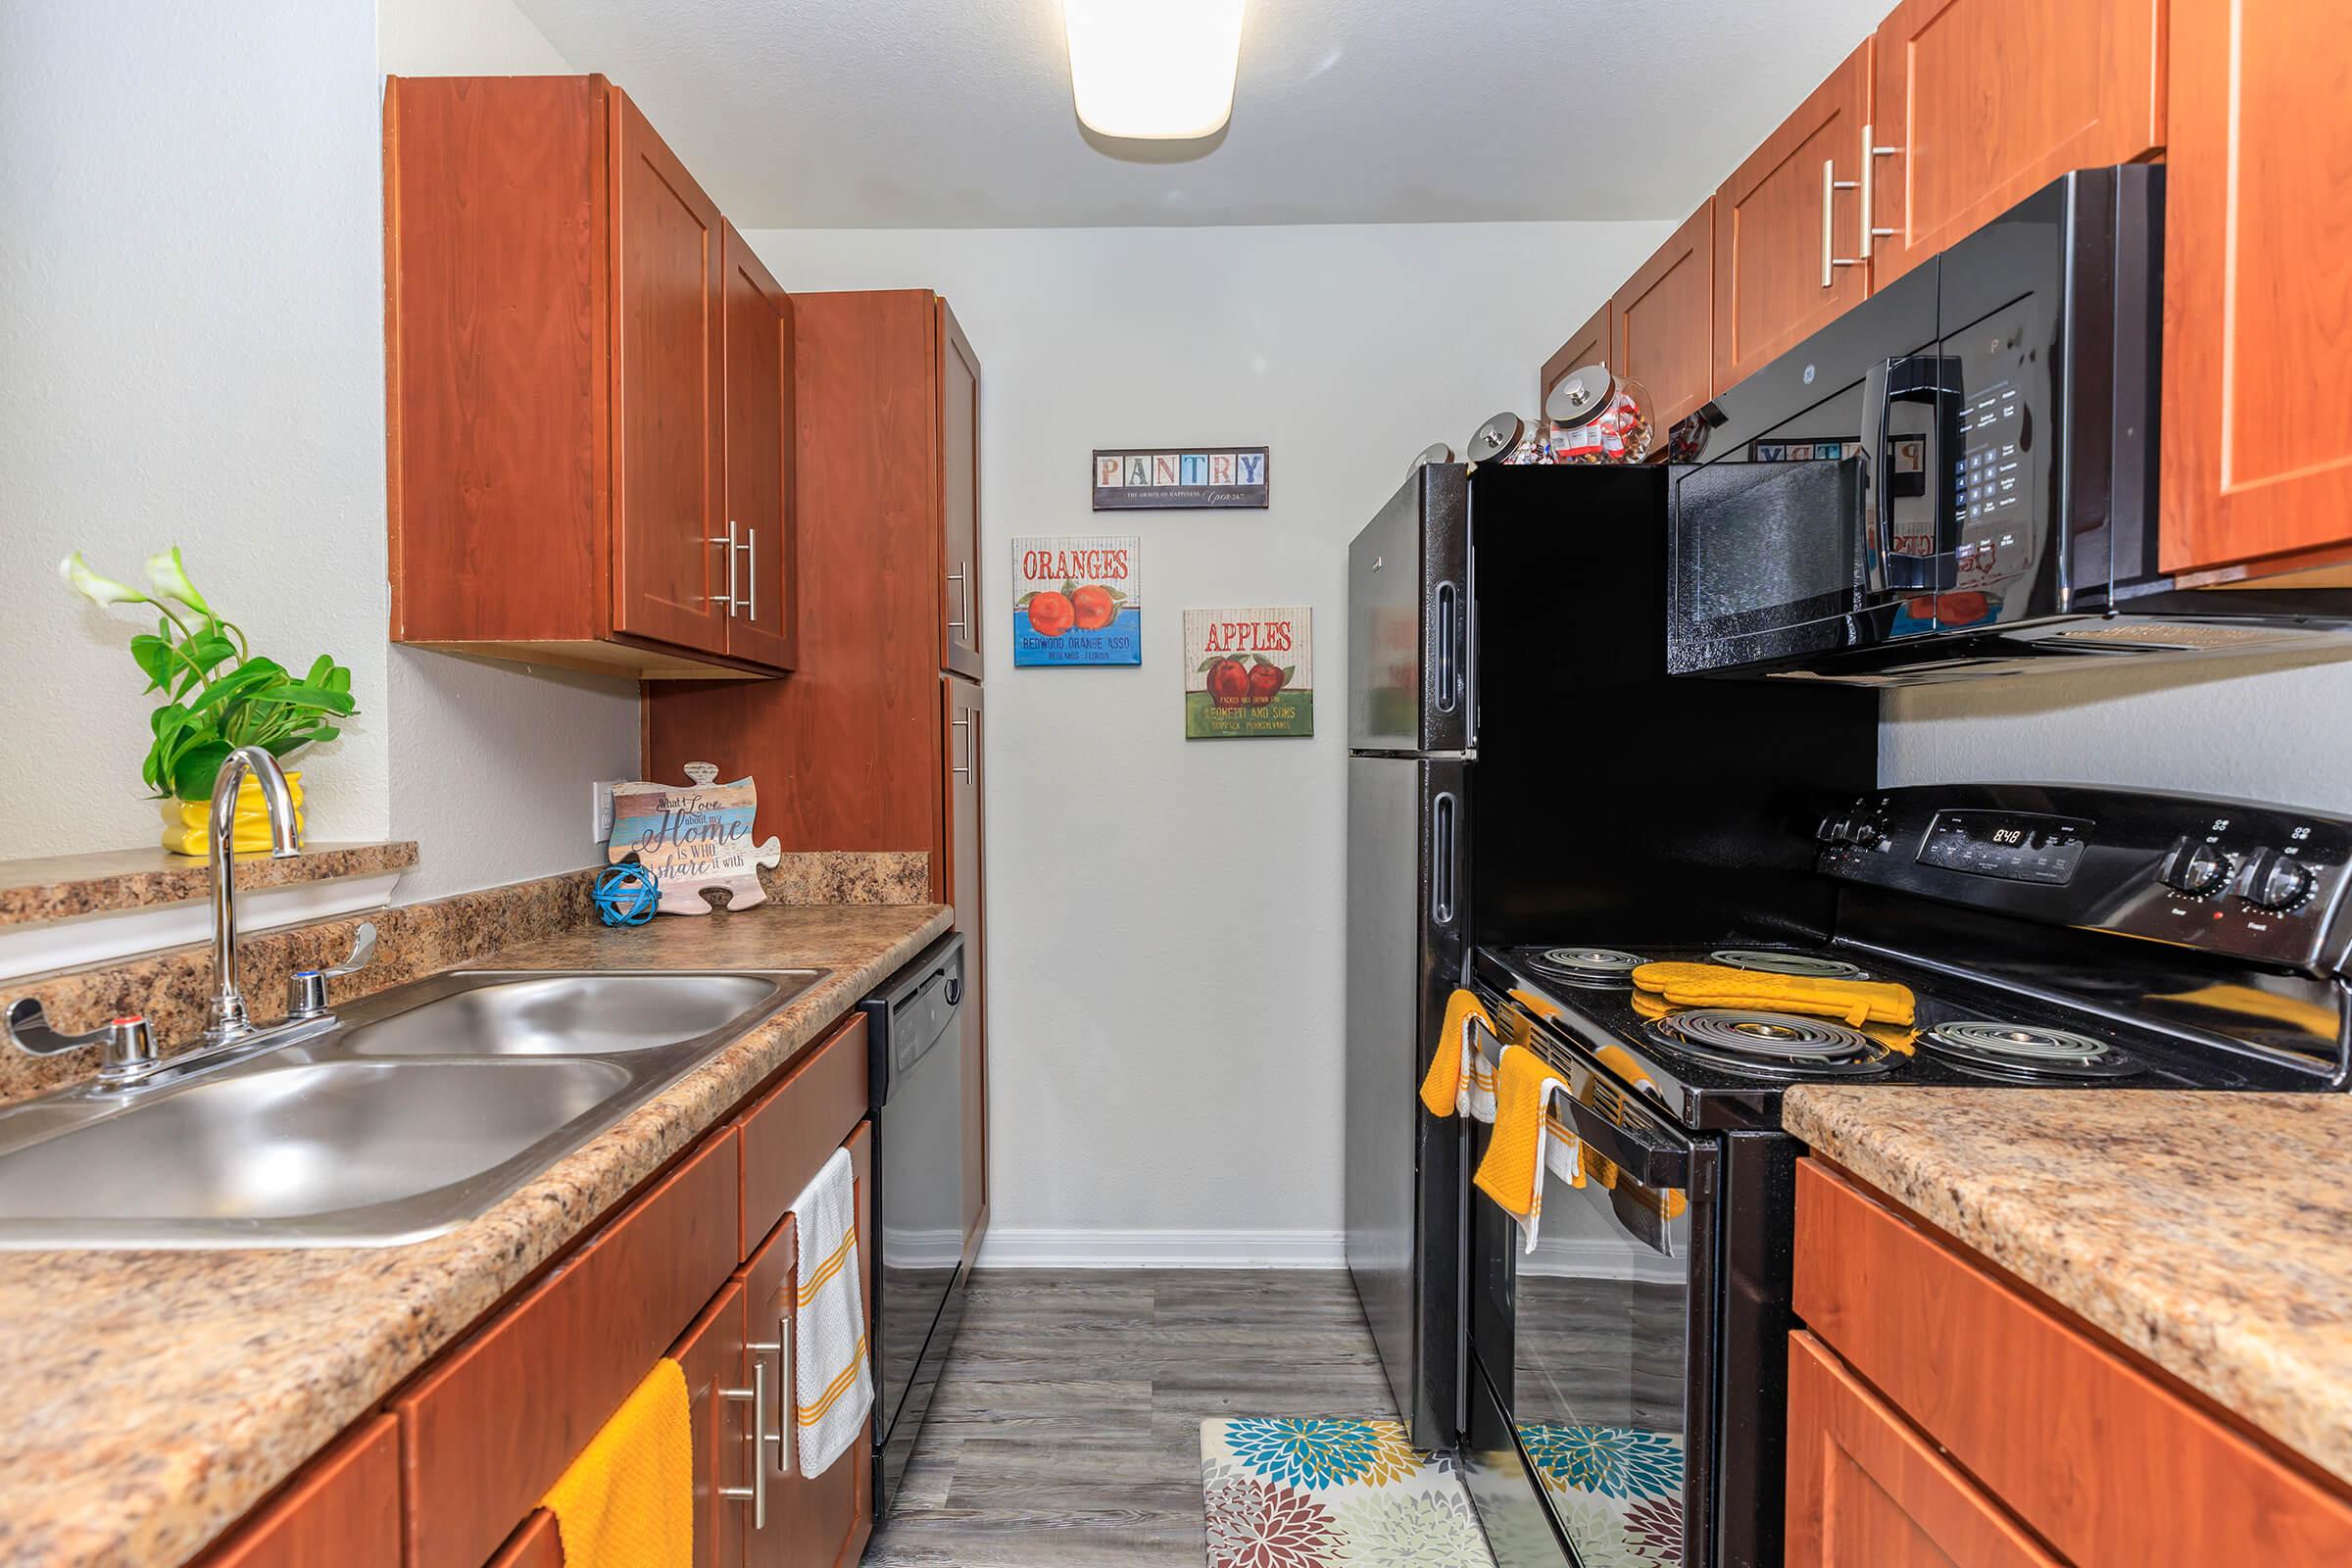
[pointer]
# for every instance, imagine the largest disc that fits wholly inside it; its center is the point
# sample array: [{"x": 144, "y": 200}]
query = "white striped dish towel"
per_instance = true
[{"x": 833, "y": 1379}]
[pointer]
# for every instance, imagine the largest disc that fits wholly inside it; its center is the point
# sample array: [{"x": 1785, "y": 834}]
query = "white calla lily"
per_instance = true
[
  {"x": 98, "y": 589},
  {"x": 171, "y": 579}
]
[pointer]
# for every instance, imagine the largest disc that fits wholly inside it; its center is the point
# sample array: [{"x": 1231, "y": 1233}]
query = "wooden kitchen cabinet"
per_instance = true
[
  {"x": 2095, "y": 1454},
  {"x": 962, "y": 610},
  {"x": 1865, "y": 1491},
  {"x": 567, "y": 319},
  {"x": 1664, "y": 321},
  {"x": 1590, "y": 344},
  {"x": 342, "y": 1509},
  {"x": 1978, "y": 104},
  {"x": 966, "y": 890},
  {"x": 2257, "y": 419},
  {"x": 712, "y": 1356},
  {"x": 1788, "y": 227}
]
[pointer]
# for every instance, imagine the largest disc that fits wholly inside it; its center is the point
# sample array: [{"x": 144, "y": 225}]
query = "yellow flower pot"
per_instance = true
[{"x": 186, "y": 822}]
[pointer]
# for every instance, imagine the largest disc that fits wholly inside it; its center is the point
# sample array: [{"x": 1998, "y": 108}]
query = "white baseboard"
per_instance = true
[{"x": 1008, "y": 1248}]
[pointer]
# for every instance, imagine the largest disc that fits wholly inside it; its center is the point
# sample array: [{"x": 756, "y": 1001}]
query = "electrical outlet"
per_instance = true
[{"x": 600, "y": 809}]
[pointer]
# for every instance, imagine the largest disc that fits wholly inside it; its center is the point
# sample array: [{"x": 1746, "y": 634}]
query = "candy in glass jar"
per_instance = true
[{"x": 1593, "y": 416}]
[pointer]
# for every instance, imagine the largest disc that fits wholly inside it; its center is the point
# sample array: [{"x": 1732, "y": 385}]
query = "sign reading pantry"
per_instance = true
[
  {"x": 1249, "y": 672},
  {"x": 1077, "y": 601},
  {"x": 1171, "y": 478}
]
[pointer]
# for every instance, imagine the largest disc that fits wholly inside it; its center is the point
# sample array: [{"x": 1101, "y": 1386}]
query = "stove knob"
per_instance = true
[
  {"x": 2275, "y": 881},
  {"x": 2195, "y": 868}
]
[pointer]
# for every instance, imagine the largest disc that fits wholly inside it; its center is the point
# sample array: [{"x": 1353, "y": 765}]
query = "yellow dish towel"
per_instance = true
[
  {"x": 1895, "y": 1037},
  {"x": 627, "y": 1501},
  {"x": 1715, "y": 985},
  {"x": 1457, "y": 1083},
  {"x": 1527, "y": 1139}
]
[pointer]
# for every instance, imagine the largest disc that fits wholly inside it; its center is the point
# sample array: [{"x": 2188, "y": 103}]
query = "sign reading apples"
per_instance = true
[
  {"x": 1077, "y": 601},
  {"x": 1249, "y": 672}
]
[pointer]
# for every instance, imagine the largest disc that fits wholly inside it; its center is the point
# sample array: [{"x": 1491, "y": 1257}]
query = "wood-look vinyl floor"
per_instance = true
[{"x": 1066, "y": 1429}]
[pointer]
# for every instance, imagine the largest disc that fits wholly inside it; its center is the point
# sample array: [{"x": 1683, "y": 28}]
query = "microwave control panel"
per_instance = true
[
  {"x": 1994, "y": 463},
  {"x": 2258, "y": 882}
]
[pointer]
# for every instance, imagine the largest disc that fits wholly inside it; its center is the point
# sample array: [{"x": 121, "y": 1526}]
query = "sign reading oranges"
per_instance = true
[{"x": 1077, "y": 601}]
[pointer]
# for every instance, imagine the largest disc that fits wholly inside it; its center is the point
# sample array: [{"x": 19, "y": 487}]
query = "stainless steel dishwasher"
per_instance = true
[{"x": 913, "y": 1031}]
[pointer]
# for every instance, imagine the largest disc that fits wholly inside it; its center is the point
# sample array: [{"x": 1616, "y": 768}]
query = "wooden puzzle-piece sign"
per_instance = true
[{"x": 694, "y": 837}]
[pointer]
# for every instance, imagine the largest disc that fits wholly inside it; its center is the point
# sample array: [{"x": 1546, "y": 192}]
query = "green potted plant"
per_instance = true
[{"x": 218, "y": 694}]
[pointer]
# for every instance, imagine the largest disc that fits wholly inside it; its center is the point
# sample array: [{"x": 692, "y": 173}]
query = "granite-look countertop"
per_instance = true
[
  {"x": 63, "y": 887},
  {"x": 2212, "y": 1233},
  {"x": 152, "y": 1397}
]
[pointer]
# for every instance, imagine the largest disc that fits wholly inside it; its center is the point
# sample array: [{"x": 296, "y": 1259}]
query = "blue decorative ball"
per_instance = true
[{"x": 626, "y": 894}]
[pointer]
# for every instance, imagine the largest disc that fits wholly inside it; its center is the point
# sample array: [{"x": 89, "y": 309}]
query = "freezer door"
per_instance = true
[
  {"x": 1407, "y": 904},
  {"x": 1409, "y": 620}
]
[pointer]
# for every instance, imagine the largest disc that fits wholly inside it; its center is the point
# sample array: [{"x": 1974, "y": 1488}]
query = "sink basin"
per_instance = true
[
  {"x": 310, "y": 1146},
  {"x": 565, "y": 1014},
  {"x": 422, "y": 1108}
]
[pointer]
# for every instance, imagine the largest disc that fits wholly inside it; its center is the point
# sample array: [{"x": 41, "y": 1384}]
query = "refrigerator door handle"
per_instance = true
[
  {"x": 1441, "y": 859},
  {"x": 1449, "y": 664}
]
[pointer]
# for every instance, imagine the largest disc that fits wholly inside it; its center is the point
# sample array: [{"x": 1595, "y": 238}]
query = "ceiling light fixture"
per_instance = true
[{"x": 1153, "y": 70}]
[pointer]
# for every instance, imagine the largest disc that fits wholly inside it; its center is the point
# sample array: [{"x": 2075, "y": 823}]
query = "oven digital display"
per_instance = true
[{"x": 2009, "y": 845}]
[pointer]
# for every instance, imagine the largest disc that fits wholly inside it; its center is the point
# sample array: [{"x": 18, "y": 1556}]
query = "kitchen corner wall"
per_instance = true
[
  {"x": 1166, "y": 917},
  {"x": 191, "y": 352}
]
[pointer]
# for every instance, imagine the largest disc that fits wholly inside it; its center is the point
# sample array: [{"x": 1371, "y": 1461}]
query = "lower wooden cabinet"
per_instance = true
[
  {"x": 535, "y": 1543},
  {"x": 712, "y": 1353},
  {"x": 1865, "y": 1491},
  {"x": 343, "y": 1509},
  {"x": 1938, "y": 1400}
]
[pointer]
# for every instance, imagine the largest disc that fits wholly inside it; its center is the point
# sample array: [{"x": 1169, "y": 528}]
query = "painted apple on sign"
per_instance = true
[{"x": 1249, "y": 674}]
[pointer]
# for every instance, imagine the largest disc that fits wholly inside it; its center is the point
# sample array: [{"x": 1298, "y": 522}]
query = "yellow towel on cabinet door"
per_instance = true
[
  {"x": 1715, "y": 984},
  {"x": 627, "y": 1501},
  {"x": 1456, "y": 1084},
  {"x": 1527, "y": 1139}
]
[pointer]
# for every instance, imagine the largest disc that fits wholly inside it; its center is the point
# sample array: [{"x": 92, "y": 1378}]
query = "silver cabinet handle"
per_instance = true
[
  {"x": 1872, "y": 152},
  {"x": 963, "y": 769},
  {"x": 781, "y": 1348},
  {"x": 750, "y": 573},
  {"x": 757, "y": 1493},
  {"x": 961, "y": 578},
  {"x": 1831, "y": 185},
  {"x": 728, "y": 598}
]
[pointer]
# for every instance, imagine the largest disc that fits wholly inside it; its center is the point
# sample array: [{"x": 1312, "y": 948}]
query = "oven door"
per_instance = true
[{"x": 1593, "y": 1410}]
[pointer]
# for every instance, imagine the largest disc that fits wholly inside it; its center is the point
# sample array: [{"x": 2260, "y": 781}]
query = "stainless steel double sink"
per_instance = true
[{"x": 421, "y": 1107}]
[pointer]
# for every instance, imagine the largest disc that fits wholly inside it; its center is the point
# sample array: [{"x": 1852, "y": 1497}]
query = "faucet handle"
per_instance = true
[
  {"x": 124, "y": 1044},
  {"x": 306, "y": 989}
]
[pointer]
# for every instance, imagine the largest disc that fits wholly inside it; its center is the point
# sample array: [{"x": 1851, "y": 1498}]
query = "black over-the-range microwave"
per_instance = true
[{"x": 1957, "y": 479}]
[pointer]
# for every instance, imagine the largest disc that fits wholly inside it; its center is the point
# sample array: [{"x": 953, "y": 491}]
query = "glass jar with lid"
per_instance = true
[{"x": 1589, "y": 415}]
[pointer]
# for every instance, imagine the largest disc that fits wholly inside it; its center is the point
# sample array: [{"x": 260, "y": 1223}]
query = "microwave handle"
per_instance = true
[{"x": 1934, "y": 380}]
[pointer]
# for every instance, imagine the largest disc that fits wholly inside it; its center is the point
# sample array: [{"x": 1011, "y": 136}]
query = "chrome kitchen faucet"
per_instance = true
[{"x": 127, "y": 1049}]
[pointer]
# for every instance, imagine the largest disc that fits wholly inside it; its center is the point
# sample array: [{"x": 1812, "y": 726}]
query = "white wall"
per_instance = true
[
  {"x": 2266, "y": 730},
  {"x": 1165, "y": 919},
  {"x": 491, "y": 762},
  {"x": 191, "y": 352}
]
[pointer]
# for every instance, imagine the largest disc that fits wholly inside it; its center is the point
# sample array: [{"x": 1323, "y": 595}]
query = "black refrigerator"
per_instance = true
[{"x": 1522, "y": 769}]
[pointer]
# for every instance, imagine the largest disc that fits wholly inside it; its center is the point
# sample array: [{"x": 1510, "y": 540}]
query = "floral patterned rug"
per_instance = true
[
  {"x": 1617, "y": 1491},
  {"x": 1333, "y": 1494}
]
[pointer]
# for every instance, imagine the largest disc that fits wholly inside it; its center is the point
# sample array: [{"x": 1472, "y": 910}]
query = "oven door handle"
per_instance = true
[{"x": 1645, "y": 1157}]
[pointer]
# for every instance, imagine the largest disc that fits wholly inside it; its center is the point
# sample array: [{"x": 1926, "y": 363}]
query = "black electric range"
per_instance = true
[{"x": 1628, "y": 1371}]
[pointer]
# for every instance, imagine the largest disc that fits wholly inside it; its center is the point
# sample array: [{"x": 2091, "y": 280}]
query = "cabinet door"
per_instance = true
[
  {"x": 961, "y": 604},
  {"x": 967, "y": 889},
  {"x": 669, "y": 541},
  {"x": 712, "y": 1355},
  {"x": 1980, "y": 103},
  {"x": 812, "y": 1521},
  {"x": 757, "y": 318},
  {"x": 1867, "y": 1492},
  {"x": 1665, "y": 318},
  {"x": 1787, "y": 240},
  {"x": 1591, "y": 344},
  {"x": 2257, "y": 437},
  {"x": 343, "y": 1508}
]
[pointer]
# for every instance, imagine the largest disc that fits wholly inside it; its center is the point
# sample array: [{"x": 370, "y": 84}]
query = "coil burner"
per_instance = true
[
  {"x": 2025, "y": 1053},
  {"x": 1769, "y": 961},
  {"x": 1779, "y": 1045},
  {"x": 1590, "y": 966}
]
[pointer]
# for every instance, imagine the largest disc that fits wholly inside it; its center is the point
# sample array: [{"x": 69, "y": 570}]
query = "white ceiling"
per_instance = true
[{"x": 845, "y": 113}]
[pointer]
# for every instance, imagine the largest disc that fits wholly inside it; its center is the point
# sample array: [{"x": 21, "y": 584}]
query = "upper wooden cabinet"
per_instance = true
[
  {"x": 1664, "y": 323},
  {"x": 1978, "y": 104},
  {"x": 1788, "y": 227},
  {"x": 962, "y": 610},
  {"x": 2257, "y": 424},
  {"x": 1591, "y": 344},
  {"x": 588, "y": 405}
]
